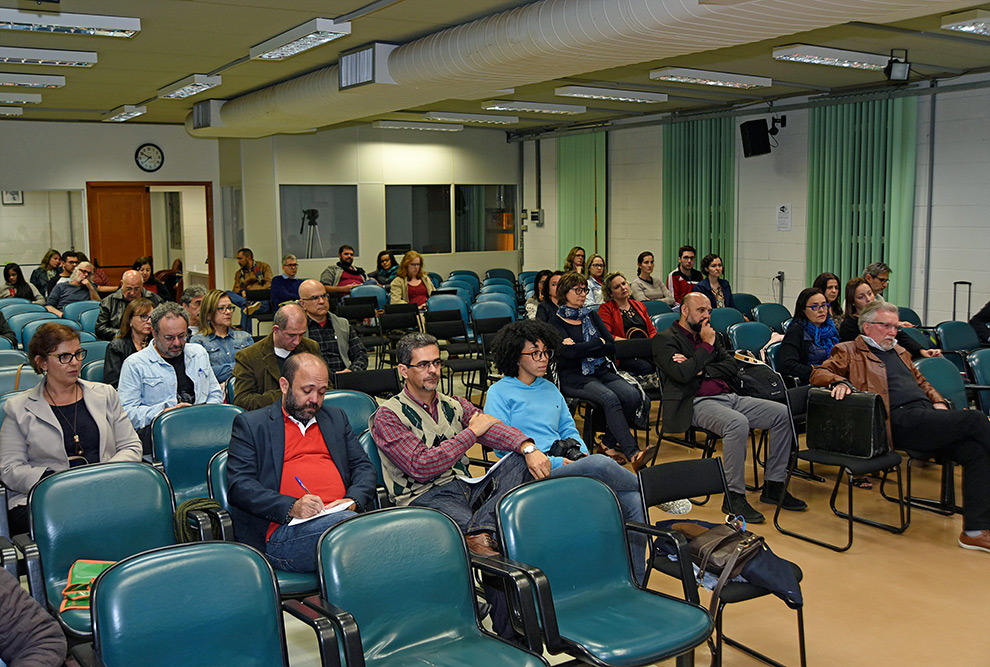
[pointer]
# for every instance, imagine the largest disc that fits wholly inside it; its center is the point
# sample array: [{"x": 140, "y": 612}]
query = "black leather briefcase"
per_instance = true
[{"x": 855, "y": 426}]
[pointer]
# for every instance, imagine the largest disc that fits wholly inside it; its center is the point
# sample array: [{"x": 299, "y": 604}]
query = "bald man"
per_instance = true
[
  {"x": 339, "y": 343},
  {"x": 112, "y": 307}
]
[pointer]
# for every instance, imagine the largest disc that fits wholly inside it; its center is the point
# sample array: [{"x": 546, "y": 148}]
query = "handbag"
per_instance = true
[
  {"x": 79, "y": 586},
  {"x": 855, "y": 426},
  {"x": 757, "y": 380}
]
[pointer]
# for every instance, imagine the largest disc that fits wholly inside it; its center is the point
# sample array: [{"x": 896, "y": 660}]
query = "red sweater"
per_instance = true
[{"x": 609, "y": 312}]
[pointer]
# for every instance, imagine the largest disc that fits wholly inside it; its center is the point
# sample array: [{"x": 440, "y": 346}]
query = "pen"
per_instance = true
[{"x": 301, "y": 484}]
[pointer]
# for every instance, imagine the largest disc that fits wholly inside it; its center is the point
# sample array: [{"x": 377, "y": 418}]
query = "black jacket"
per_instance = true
[
  {"x": 112, "y": 310},
  {"x": 792, "y": 358},
  {"x": 981, "y": 322},
  {"x": 118, "y": 350},
  {"x": 569, "y": 357}
]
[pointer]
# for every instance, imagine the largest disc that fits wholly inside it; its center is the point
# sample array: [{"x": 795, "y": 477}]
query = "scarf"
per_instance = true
[
  {"x": 349, "y": 269},
  {"x": 588, "y": 332},
  {"x": 821, "y": 340}
]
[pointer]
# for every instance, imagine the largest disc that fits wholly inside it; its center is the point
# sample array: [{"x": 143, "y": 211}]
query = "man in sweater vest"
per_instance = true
[{"x": 424, "y": 436}]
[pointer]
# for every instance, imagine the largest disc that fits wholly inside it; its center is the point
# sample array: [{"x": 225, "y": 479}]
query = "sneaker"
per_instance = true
[
  {"x": 979, "y": 543},
  {"x": 773, "y": 490},
  {"x": 737, "y": 505},
  {"x": 252, "y": 307},
  {"x": 682, "y": 506}
]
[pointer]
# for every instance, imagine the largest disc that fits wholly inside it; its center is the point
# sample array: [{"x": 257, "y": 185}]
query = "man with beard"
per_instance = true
[
  {"x": 682, "y": 280},
  {"x": 339, "y": 278},
  {"x": 296, "y": 468},
  {"x": 697, "y": 373},
  {"x": 919, "y": 418}
]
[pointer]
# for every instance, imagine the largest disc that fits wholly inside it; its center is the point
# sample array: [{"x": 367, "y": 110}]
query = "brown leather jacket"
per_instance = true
[{"x": 855, "y": 362}]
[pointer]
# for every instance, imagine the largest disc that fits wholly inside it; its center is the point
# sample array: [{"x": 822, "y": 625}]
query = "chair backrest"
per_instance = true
[
  {"x": 11, "y": 300},
  {"x": 74, "y": 310},
  {"x": 662, "y": 322},
  {"x": 504, "y": 282},
  {"x": 435, "y": 278},
  {"x": 13, "y": 358},
  {"x": 92, "y": 370},
  {"x": 185, "y": 440},
  {"x": 502, "y": 288},
  {"x": 979, "y": 363},
  {"x": 216, "y": 479},
  {"x": 943, "y": 375},
  {"x": 371, "y": 449},
  {"x": 153, "y": 599},
  {"x": 773, "y": 349},
  {"x": 745, "y": 303},
  {"x": 103, "y": 511},
  {"x": 465, "y": 285},
  {"x": 376, "y": 291},
  {"x": 492, "y": 309},
  {"x": 656, "y": 308},
  {"x": 500, "y": 273},
  {"x": 749, "y": 335},
  {"x": 27, "y": 333},
  {"x": 577, "y": 516},
  {"x": 382, "y": 382},
  {"x": 465, "y": 272},
  {"x": 441, "y": 302},
  {"x": 496, "y": 297},
  {"x": 955, "y": 335},
  {"x": 5, "y": 344},
  {"x": 11, "y": 380},
  {"x": 906, "y": 314},
  {"x": 527, "y": 276},
  {"x": 18, "y": 321},
  {"x": 487, "y": 325},
  {"x": 772, "y": 315},
  {"x": 9, "y": 308},
  {"x": 723, "y": 318},
  {"x": 355, "y": 313},
  {"x": 388, "y": 322},
  {"x": 681, "y": 479},
  {"x": 87, "y": 319},
  {"x": 417, "y": 589},
  {"x": 357, "y": 405},
  {"x": 87, "y": 337},
  {"x": 919, "y": 337},
  {"x": 229, "y": 384},
  {"x": 95, "y": 350},
  {"x": 436, "y": 315}
]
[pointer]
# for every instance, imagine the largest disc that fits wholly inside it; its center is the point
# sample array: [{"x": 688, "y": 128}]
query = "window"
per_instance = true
[
  {"x": 484, "y": 217},
  {"x": 418, "y": 217},
  {"x": 318, "y": 219}
]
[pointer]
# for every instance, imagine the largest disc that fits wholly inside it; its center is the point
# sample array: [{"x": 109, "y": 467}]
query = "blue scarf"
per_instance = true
[
  {"x": 821, "y": 338},
  {"x": 588, "y": 332}
]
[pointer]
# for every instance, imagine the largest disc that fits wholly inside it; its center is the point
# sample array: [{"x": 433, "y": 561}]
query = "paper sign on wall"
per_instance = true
[{"x": 783, "y": 217}]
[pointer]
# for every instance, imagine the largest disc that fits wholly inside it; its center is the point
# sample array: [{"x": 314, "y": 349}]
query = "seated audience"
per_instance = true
[
  {"x": 7, "y": 332},
  {"x": 830, "y": 286},
  {"x": 682, "y": 280},
  {"x": 585, "y": 371},
  {"x": 17, "y": 286},
  {"x": 61, "y": 423},
  {"x": 296, "y": 459},
  {"x": 216, "y": 334},
  {"x": 810, "y": 337},
  {"x": 112, "y": 307},
  {"x": 918, "y": 417},
  {"x": 596, "y": 276},
  {"x": 647, "y": 288},
  {"x": 547, "y": 308},
  {"x": 100, "y": 277},
  {"x": 338, "y": 279},
  {"x": 877, "y": 275},
  {"x": 424, "y": 435},
  {"x": 192, "y": 301},
  {"x": 285, "y": 287},
  {"x": 981, "y": 322},
  {"x": 714, "y": 286},
  {"x": 626, "y": 318},
  {"x": 134, "y": 336},
  {"x": 340, "y": 346},
  {"x": 858, "y": 296},
  {"x": 166, "y": 375},
  {"x": 539, "y": 292},
  {"x": 250, "y": 275},
  {"x": 70, "y": 258},
  {"x": 697, "y": 374},
  {"x": 145, "y": 266},
  {"x": 257, "y": 368},
  {"x": 575, "y": 260},
  {"x": 79, "y": 287},
  {"x": 50, "y": 267},
  {"x": 411, "y": 284},
  {"x": 385, "y": 268}
]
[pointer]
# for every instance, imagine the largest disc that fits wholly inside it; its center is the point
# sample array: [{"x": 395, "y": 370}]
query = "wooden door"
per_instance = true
[{"x": 119, "y": 225}]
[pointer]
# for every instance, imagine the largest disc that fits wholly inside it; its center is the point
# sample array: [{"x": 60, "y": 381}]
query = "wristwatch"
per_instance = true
[{"x": 528, "y": 449}]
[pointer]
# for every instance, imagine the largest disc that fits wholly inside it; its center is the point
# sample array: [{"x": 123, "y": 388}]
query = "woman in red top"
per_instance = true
[
  {"x": 411, "y": 284},
  {"x": 625, "y": 317}
]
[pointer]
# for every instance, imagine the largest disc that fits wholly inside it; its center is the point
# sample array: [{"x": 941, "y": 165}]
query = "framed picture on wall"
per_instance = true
[{"x": 12, "y": 197}]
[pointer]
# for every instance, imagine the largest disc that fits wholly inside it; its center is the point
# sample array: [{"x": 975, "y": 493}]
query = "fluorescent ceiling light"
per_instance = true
[
  {"x": 412, "y": 125},
  {"x": 11, "y": 111},
  {"x": 193, "y": 84},
  {"x": 18, "y": 56},
  {"x": 126, "y": 112},
  {"x": 7, "y": 97},
  {"x": 299, "y": 39},
  {"x": 706, "y": 78},
  {"x": 482, "y": 118},
  {"x": 821, "y": 55},
  {"x": 32, "y": 80},
  {"x": 976, "y": 21},
  {"x": 535, "y": 107},
  {"x": 69, "y": 24},
  {"x": 612, "y": 94}
]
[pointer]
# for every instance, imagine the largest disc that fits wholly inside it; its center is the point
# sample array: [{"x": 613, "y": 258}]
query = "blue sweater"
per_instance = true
[{"x": 538, "y": 410}]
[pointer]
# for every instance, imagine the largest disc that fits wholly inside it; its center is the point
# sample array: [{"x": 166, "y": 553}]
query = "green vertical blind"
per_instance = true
[
  {"x": 699, "y": 188},
  {"x": 861, "y": 179},
  {"x": 581, "y": 194}
]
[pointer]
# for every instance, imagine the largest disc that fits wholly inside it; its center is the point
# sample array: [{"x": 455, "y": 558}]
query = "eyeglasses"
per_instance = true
[
  {"x": 540, "y": 355},
  {"x": 143, "y": 318},
  {"x": 171, "y": 339},
  {"x": 318, "y": 297},
  {"x": 290, "y": 265},
  {"x": 66, "y": 357},
  {"x": 817, "y": 306},
  {"x": 225, "y": 309},
  {"x": 885, "y": 281},
  {"x": 580, "y": 290},
  {"x": 886, "y": 325},
  {"x": 85, "y": 272},
  {"x": 427, "y": 365}
]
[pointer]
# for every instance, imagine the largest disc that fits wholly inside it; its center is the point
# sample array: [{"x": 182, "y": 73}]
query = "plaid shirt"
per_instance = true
[
  {"x": 257, "y": 277},
  {"x": 423, "y": 463},
  {"x": 327, "y": 341}
]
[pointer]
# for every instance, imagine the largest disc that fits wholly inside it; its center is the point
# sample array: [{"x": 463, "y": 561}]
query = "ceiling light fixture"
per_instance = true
[
  {"x": 69, "y": 24},
  {"x": 611, "y": 94},
  {"x": 11, "y": 111},
  {"x": 535, "y": 107},
  {"x": 125, "y": 112},
  {"x": 193, "y": 84},
  {"x": 481, "y": 118},
  {"x": 301, "y": 38},
  {"x": 412, "y": 125},
  {"x": 976, "y": 22},
  {"x": 821, "y": 55},
  {"x": 32, "y": 80},
  {"x": 9, "y": 97},
  {"x": 898, "y": 68},
  {"x": 706, "y": 78},
  {"x": 19, "y": 56}
]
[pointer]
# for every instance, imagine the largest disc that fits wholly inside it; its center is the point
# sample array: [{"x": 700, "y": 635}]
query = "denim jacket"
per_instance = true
[
  {"x": 222, "y": 350},
  {"x": 148, "y": 386}
]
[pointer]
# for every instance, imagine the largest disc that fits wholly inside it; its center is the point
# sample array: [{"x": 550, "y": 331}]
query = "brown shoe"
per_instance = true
[
  {"x": 252, "y": 307},
  {"x": 640, "y": 459},
  {"x": 482, "y": 544},
  {"x": 979, "y": 543}
]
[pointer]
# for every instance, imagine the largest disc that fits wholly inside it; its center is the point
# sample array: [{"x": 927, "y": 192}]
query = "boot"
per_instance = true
[
  {"x": 737, "y": 505},
  {"x": 772, "y": 492}
]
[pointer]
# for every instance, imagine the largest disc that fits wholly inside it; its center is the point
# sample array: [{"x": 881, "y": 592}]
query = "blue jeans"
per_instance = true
[
  {"x": 472, "y": 506},
  {"x": 619, "y": 401},
  {"x": 242, "y": 303},
  {"x": 626, "y": 488},
  {"x": 293, "y": 548}
]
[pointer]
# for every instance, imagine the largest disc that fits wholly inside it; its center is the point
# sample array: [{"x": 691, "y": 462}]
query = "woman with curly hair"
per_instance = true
[{"x": 411, "y": 284}]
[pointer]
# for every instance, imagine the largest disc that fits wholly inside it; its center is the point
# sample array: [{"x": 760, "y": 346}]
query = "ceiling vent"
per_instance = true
[
  {"x": 365, "y": 64},
  {"x": 207, "y": 114}
]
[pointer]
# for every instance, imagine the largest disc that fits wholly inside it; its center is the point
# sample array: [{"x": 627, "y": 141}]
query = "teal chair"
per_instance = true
[
  {"x": 10, "y": 301},
  {"x": 745, "y": 303},
  {"x": 441, "y": 302},
  {"x": 27, "y": 333},
  {"x": 919, "y": 336},
  {"x": 750, "y": 336},
  {"x": 906, "y": 314},
  {"x": 656, "y": 308},
  {"x": 229, "y": 386},
  {"x": 5, "y": 344},
  {"x": 979, "y": 364},
  {"x": 18, "y": 378},
  {"x": 183, "y": 441},
  {"x": 371, "y": 449},
  {"x": 290, "y": 584},
  {"x": 357, "y": 405},
  {"x": 500, "y": 273},
  {"x": 74, "y": 310},
  {"x": 9, "y": 307},
  {"x": 465, "y": 272},
  {"x": 957, "y": 339},
  {"x": 772, "y": 314},
  {"x": 411, "y": 603},
  {"x": 471, "y": 288},
  {"x": 145, "y": 606},
  {"x": 92, "y": 371},
  {"x": 103, "y": 511},
  {"x": 496, "y": 297},
  {"x": 580, "y": 517},
  {"x": 500, "y": 287},
  {"x": 376, "y": 291},
  {"x": 87, "y": 337},
  {"x": 17, "y": 323},
  {"x": 435, "y": 278},
  {"x": 663, "y": 322},
  {"x": 95, "y": 349},
  {"x": 723, "y": 318},
  {"x": 87, "y": 320},
  {"x": 528, "y": 276},
  {"x": 504, "y": 282},
  {"x": 13, "y": 358}
]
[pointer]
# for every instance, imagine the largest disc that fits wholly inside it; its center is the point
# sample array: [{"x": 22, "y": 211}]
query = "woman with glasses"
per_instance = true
[
  {"x": 62, "y": 423},
  {"x": 385, "y": 268},
  {"x": 596, "y": 276},
  {"x": 134, "y": 335},
  {"x": 585, "y": 370},
  {"x": 217, "y": 335},
  {"x": 575, "y": 260},
  {"x": 810, "y": 337},
  {"x": 411, "y": 284}
]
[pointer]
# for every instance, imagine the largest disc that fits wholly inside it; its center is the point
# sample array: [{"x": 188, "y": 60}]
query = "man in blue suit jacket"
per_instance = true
[{"x": 295, "y": 468}]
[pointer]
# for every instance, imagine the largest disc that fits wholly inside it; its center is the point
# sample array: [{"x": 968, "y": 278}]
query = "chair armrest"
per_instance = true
[
  {"x": 325, "y": 635},
  {"x": 346, "y": 627},
  {"x": 381, "y": 498},
  {"x": 32, "y": 560},
  {"x": 222, "y": 517},
  {"x": 4, "y": 519},
  {"x": 8, "y": 556},
  {"x": 200, "y": 522},
  {"x": 524, "y": 594},
  {"x": 680, "y": 544}
]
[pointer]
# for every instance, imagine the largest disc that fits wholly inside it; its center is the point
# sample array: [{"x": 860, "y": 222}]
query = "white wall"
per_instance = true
[
  {"x": 635, "y": 199},
  {"x": 46, "y": 219}
]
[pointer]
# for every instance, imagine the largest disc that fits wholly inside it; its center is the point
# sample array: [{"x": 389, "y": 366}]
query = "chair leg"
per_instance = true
[
  {"x": 897, "y": 530},
  {"x": 806, "y": 538}
]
